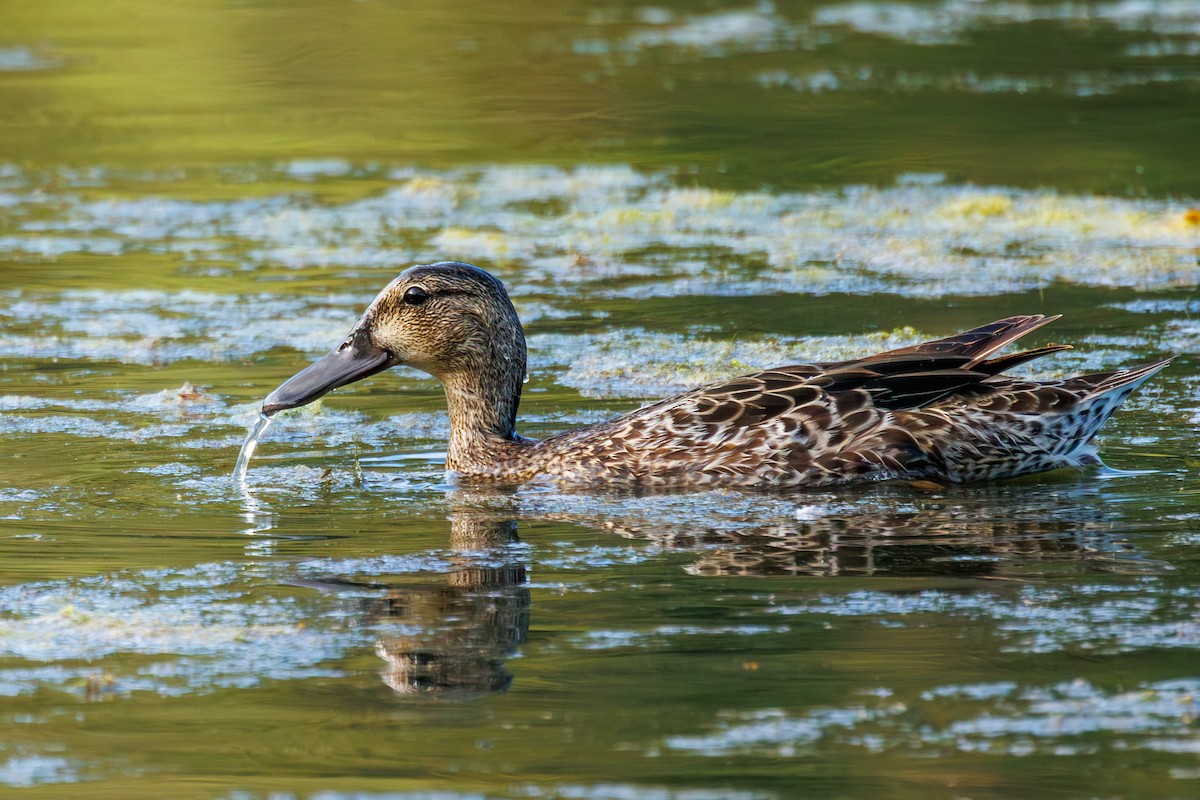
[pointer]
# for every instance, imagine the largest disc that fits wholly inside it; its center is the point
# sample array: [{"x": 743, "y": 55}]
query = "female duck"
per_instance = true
[{"x": 939, "y": 410}]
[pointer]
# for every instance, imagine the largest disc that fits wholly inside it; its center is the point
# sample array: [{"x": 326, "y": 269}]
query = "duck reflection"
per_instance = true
[
  {"x": 903, "y": 545},
  {"x": 451, "y": 638},
  {"x": 999, "y": 531},
  {"x": 463, "y": 630},
  {"x": 455, "y": 634}
]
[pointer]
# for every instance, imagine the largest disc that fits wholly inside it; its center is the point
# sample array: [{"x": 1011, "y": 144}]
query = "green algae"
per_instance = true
[{"x": 915, "y": 239}]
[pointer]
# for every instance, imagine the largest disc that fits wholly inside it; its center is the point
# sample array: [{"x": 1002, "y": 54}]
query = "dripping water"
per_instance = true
[{"x": 248, "y": 447}]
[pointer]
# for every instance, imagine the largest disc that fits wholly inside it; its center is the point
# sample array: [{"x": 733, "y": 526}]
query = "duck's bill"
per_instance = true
[{"x": 354, "y": 360}]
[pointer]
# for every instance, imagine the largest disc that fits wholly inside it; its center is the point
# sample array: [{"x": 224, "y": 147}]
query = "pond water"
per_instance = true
[{"x": 197, "y": 199}]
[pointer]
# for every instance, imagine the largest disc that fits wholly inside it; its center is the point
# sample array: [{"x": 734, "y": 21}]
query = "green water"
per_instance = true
[{"x": 198, "y": 198}]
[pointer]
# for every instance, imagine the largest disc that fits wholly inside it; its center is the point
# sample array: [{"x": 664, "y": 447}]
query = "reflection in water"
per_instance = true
[
  {"x": 908, "y": 545},
  {"x": 256, "y": 513},
  {"x": 905, "y": 544},
  {"x": 450, "y": 637},
  {"x": 992, "y": 531},
  {"x": 454, "y": 635},
  {"x": 459, "y": 633}
]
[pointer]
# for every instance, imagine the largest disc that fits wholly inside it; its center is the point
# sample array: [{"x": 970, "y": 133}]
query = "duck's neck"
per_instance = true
[{"x": 483, "y": 413}]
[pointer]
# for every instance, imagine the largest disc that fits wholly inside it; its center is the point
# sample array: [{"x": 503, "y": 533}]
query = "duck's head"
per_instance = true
[{"x": 449, "y": 319}]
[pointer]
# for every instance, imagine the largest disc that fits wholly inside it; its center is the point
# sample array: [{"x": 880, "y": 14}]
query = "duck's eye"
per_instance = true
[{"x": 415, "y": 296}]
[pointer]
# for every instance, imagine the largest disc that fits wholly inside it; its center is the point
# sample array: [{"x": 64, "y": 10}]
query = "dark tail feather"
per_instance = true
[
  {"x": 1002, "y": 364},
  {"x": 978, "y": 343}
]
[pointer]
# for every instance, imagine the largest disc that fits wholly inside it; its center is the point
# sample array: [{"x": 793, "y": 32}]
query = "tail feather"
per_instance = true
[
  {"x": 1103, "y": 393},
  {"x": 977, "y": 344},
  {"x": 1001, "y": 364},
  {"x": 1103, "y": 383}
]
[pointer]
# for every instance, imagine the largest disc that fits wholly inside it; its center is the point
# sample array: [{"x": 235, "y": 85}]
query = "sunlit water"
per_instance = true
[{"x": 673, "y": 195}]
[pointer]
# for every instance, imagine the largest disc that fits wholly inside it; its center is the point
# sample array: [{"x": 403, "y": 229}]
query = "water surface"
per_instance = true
[{"x": 198, "y": 200}]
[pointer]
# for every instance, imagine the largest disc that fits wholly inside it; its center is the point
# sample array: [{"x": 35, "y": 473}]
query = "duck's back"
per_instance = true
[{"x": 935, "y": 410}]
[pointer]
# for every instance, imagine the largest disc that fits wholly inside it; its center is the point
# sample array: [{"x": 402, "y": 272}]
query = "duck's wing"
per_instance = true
[
  {"x": 906, "y": 378},
  {"x": 938, "y": 408},
  {"x": 755, "y": 399},
  {"x": 973, "y": 347},
  {"x": 968, "y": 350}
]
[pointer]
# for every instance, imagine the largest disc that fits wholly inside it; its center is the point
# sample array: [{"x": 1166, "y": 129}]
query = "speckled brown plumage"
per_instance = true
[{"x": 940, "y": 409}]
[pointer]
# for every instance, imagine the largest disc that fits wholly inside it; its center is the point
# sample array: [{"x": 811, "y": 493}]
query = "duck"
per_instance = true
[{"x": 941, "y": 411}]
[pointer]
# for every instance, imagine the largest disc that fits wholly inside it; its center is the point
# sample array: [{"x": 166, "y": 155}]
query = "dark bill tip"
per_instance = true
[{"x": 353, "y": 360}]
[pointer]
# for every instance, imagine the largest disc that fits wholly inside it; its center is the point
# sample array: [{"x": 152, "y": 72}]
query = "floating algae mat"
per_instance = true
[{"x": 615, "y": 232}]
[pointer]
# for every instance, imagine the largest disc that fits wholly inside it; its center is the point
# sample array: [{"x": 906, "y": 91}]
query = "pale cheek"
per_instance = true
[{"x": 421, "y": 348}]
